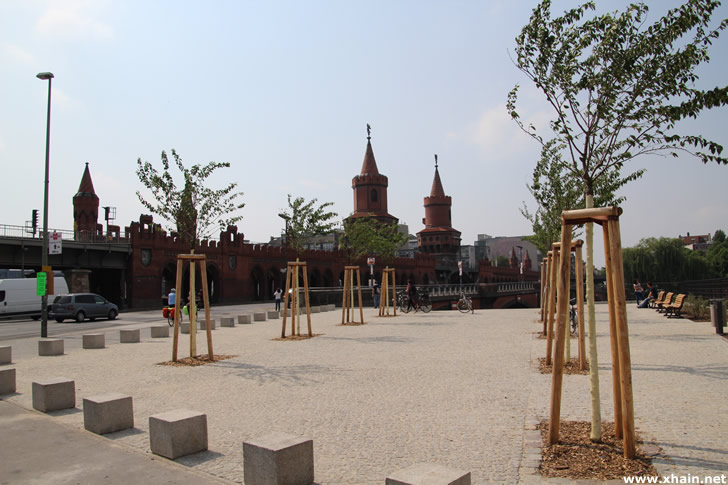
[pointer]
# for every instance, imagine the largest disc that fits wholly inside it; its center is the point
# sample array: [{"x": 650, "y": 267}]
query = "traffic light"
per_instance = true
[{"x": 35, "y": 221}]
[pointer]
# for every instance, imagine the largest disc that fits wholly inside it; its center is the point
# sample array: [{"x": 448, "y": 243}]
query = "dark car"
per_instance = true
[{"x": 81, "y": 306}]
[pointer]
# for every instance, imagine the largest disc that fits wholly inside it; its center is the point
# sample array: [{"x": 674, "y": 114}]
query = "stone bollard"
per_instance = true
[
  {"x": 315, "y": 309},
  {"x": 6, "y": 354},
  {"x": 244, "y": 319},
  {"x": 7, "y": 381},
  {"x": 177, "y": 433},
  {"x": 259, "y": 316},
  {"x": 324, "y": 308},
  {"x": 50, "y": 346},
  {"x": 108, "y": 413},
  {"x": 273, "y": 315},
  {"x": 203, "y": 324},
  {"x": 429, "y": 473},
  {"x": 54, "y": 394},
  {"x": 227, "y": 322},
  {"x": 94, "y": 341},
  {"x": 185, "y": 327},
  {"x": 332, "y": 307},
  {"x": 278, "y": 459},
  {"x": 129, "y": 336},
  {"x": 160, "y": 331}
]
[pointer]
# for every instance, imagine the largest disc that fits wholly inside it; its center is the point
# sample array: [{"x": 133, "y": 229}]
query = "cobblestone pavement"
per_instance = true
[{"x": 459, "y": 390}]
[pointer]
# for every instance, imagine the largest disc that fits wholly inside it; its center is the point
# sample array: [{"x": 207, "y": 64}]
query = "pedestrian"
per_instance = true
[
  {"x": 411, "y": 296},
  {"x": 277, "y": 296},
  {"x": 375, "y": 294},
  {"x": 638, "y": 292}
]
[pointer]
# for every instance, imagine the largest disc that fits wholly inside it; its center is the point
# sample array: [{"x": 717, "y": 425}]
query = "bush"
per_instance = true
[{"x": 697, "y": 308}]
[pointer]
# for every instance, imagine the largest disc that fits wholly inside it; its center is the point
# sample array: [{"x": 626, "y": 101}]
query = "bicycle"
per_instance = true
[
  {"x": 574, "y": 324},
  {"x": 465, "y": 304},
  {"x": 422, "y": 303},
  {"x": 168, "y": 313}
]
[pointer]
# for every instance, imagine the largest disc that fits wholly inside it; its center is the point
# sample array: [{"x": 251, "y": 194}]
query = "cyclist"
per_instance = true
[{"x": 172, "y": 297}]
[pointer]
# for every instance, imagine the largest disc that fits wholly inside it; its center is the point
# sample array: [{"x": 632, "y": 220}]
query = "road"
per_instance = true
[{"x": 19, "y": 328}]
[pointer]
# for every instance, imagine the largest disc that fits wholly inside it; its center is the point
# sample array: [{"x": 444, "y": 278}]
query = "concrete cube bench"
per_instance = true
[
  {"x": 273, "y": 314},
  {"x": 107, "y": 413},
  {"x": 129, "y": 336},
  {"x": 185, "y": 327},
  {"x": 6, "y": 354},
  {"x": 53, "y": 394},
  {"x": 278, "y": 459},
  {"x": 315, "y": 309},
  {"x": 177, "y": 433},
  {"x": 7, "y": 381},
  {"x": 203, "y": 324},
  {"x": 50, "y": 346},
  {"x": 331, "y": 307},
  {"x": 94, "y": 341},
  {"x": 227, "y": 322},
  {"x": 245, "y": 319},
  {"x": 160, "y": 331},
  {"x": 429, "y": 473},
  {"x": 324, "y": 308},
  {"x": 259, "y": 317}
]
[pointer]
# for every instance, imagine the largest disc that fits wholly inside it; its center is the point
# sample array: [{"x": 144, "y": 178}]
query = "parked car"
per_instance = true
[
  {"x": 18, "y": 297},
  {"x": 81, "y": 306}
]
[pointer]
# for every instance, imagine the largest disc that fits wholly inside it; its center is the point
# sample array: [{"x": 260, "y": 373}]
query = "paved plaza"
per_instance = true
[{"x": 456, "y": 389}]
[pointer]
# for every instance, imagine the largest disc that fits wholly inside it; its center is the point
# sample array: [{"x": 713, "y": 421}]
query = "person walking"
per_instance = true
[
  {"x": 277, "y": 295},
  {"x": 375, "y": 294},
  {"x": 411, "y": 296}
]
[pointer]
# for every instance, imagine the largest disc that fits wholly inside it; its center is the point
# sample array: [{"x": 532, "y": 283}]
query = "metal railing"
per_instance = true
[{"x": 23, "y": 232}]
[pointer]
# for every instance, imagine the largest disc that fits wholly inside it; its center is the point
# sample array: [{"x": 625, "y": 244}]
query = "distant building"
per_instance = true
[
  {"x": 697, "y": 243},
  {"x": 489, "y": 247}
]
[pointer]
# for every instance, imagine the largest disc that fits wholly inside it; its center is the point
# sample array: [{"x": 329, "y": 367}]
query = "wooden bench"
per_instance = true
[
  {"x": 660, "y": 299},
  {"x": 661, "y": 305},
  {"x": 674, "y": 308}
]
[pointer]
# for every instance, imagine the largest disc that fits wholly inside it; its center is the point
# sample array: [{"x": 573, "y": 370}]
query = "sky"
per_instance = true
[{"x": 283, "y": 90}]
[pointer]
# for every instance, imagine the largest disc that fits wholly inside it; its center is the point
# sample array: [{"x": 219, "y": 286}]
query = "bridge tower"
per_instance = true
[
  {"x": 438, "y": 236},
  {"x": 370, "y": 189},
  {"x": 85, "y": 207}
]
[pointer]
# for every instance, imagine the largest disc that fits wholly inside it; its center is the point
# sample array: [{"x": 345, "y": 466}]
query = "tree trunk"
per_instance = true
[{"x": 596, "y": 424}]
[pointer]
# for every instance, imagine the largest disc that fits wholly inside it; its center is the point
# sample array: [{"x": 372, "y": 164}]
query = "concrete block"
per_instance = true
[
  {"x": 315, "y": 309},
  {"x": 160, "y": 331},
  {"x": 94, "y": 341},
  {"x": 227, "y": 322},
  {"x": 273, "y": 315},
  {"x": 244, "y": 319},
  {"x": 50, "y": 346},
  {"x": 259, "y": 316},
  {"x": 203, "y": 324},
  {"x": 7, "y": 381},
  {"x": 6, "y": 354},
  {"x": 324, "y": 308},
  {"x": 107, "y": 413},
  {"x": 129, "y": 336},
  {"x": 278, "y": 459},
  {"x": 184, "y": 327},
  {"x": 332, "y": 307},
  {"x": 53, "y": 394},
  {"x": 177, "y": 433},
  {"x": 430, "y": 474}
]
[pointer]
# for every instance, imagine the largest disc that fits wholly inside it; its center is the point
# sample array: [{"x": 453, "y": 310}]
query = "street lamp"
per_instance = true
[
  {"x": 286, "y": 218},
  {"x": 44, "y": 255}
]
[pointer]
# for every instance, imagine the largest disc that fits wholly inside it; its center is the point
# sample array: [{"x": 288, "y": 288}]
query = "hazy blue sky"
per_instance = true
[{"x": 284, "y": 90}]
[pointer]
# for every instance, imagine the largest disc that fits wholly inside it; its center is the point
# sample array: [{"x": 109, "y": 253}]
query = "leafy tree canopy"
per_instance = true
[
  {"x": 194, "y": 210},
  {"x": 719, "y": 236},
  {"x": 664, "y": 259},
  {"x": 365, "y": 236},
  {"x": 617, "y": 86},
  {"x": 306, "y": 219}
]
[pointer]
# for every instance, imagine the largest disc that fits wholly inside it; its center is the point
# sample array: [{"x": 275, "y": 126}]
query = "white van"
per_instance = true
[{"x": 18, "y": 296}]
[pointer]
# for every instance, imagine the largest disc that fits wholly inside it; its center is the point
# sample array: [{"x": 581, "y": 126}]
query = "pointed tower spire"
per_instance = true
[
  {"x": 437, "y": 190},
  {"x": 370, "y": 164},
  {"x": 86, "y": 188},
  {"x": 85, "y": 207}
]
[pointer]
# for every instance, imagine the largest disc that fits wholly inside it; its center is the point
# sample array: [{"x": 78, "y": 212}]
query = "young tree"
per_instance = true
[
  {"x": 305, "y": 219},
  {"x": 194, "y": 210},
  {"x": 618, "y": 89}
]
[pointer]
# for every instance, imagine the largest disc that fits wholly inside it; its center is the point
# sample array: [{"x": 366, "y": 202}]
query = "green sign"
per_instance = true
[{"x": 40, "y": 288}]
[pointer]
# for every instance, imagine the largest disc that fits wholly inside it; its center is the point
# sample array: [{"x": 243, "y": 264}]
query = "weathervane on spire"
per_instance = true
[
  {"x": 435, "y": 161},
  {"x": 369, "y": 132}
]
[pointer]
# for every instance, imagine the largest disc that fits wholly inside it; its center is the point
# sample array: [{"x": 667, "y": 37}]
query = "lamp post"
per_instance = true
[
  {"x": 286, "y": 218},
  {"x": 44, "y": 255}
]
